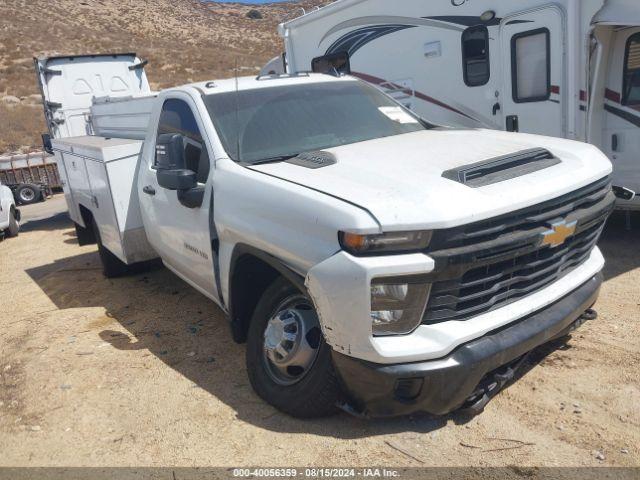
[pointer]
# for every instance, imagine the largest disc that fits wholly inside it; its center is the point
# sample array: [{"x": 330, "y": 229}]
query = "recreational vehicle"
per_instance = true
[{"x": 567, "y": 68}]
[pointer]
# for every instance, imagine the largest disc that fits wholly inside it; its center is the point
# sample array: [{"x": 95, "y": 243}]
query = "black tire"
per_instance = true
[
  {"x": 314, "y": 395},
  {"x": 14, "y": 225},
  {"x": 28, "y": 193},
  {"x": 112, "y": 266},
  {"x": 85, "y": 236}
]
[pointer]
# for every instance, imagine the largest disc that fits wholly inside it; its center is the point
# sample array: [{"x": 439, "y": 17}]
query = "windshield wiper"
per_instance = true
[{"x": 275, "y": 159}]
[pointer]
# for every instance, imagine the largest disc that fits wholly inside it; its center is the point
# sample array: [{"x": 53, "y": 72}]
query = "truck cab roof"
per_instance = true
[{"x": 265, "y": 81}]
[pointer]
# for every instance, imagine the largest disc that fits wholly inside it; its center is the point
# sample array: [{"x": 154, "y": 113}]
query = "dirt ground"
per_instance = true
[{"x": 142, "y": 371}]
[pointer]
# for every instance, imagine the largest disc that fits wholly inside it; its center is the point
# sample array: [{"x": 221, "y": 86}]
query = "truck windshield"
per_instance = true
[{"x": 274, "y": 123}]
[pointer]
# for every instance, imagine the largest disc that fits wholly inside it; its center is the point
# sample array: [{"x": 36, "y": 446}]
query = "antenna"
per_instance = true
[{"x": 237, "y": 112}]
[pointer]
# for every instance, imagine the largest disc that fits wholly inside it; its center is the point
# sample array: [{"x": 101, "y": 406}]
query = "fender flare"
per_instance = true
[
  {"x": 243, "y": 249},
  {"x": 278, "y": 265}
]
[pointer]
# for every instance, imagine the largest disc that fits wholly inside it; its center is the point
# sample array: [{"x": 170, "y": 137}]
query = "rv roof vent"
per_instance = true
[
  {"x": 499, "y": 169},
  {"x": 313, "y": 159}
]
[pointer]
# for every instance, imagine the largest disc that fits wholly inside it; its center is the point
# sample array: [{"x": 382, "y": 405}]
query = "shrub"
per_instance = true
[{"x": 254, "y": 14}]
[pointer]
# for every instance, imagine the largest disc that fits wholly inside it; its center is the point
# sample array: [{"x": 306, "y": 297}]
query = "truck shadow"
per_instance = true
[
  {"x": 159, "y": 313},
  {"x": 56, "y": 222},
  {"x": 620, "y": 246}
]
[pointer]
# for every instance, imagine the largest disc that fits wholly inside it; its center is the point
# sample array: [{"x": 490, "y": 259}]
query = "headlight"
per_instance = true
[
  {"x": 385, "y": 242},
  {"x": 397, "y": 308}
]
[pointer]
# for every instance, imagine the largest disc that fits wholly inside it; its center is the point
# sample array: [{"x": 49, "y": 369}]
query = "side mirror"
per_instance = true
[
  {"x": 170, "y": 152},
  {"x": 46, "y": 143},
  {"x": 170, "y": 163},
  {"x": 172, "y": 172},
  {"x": 178, "y": 179},
  {"x": 332, "y": 64}
]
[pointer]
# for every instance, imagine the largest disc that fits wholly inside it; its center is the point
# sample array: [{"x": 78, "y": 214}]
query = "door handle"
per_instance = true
[
  {"x": 615, "y": 144},
  {"x": 496, "y": 108},
  {"x": 149, "y": 190}
]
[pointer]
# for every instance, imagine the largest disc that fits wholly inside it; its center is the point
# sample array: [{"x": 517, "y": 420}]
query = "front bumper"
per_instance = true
[{"x": 441, "y": 386}]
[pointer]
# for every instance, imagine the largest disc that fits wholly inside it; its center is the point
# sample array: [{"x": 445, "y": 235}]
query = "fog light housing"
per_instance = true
[
  {"x": 397, "y": 308},
  {"x": 408, "y": 389}
]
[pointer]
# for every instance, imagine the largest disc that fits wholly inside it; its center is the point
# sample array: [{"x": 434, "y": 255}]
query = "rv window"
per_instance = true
[
  {"x": 631, "y": 87},
  {"x": 531, "y": 66},
  {"x": 333, "y": 64},
  {"x": 475, "y": 56},
  {"x": 177, "y": 117}
]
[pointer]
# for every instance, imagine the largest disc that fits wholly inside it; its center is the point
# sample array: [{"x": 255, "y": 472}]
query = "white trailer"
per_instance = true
[
  {"x": 72, "y": 84},
  {"x": 565, "y": 68},
  {"x": 97, "y": 110}
]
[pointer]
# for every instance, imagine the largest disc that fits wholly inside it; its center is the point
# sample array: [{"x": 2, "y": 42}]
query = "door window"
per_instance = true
[
  {"x": 531, "y": 66},
  {"x": 631, "y": 87},
  {"x": 177, "y": 117},
  {"x": 475, "y": 56}
]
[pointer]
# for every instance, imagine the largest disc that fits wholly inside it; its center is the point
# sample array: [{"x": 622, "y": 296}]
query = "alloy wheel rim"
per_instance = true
[{"x": 27, "y": 194}]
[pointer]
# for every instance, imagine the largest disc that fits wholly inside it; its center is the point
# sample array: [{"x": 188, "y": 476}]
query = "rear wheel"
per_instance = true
[
  {"x": 14, "y": 225},
  {"x": 112, "y": 266},
  {"x": 288, "y": 362},
  {"x": 28, "y": 194}
]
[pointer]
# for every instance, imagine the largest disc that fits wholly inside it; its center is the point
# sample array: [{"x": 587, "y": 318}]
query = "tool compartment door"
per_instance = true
[
  {"x": 102, "y": 207},
  {"x": 534, "y": 91}
]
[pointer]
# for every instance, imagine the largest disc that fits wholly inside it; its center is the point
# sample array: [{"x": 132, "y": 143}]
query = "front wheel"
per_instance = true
[{"x": 288, "y": 362}]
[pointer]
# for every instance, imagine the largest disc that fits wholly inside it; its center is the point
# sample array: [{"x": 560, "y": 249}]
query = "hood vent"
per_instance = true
[
  {"x": 499, "y": 169},
  {"x": 313, "y": 160}
]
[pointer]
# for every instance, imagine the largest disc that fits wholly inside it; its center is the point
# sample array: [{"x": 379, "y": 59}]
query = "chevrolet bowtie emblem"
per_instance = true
[{"x": 558, "y": 233}]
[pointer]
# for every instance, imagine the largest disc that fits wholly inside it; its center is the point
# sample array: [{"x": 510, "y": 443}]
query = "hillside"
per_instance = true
[{"x": 184, "y": 41}]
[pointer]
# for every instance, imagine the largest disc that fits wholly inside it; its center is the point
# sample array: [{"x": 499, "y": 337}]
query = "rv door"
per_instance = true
[
  {"x": 69, "y": 84},
  {"x": 621, "y": 129},
  {"x": 534, "y": 96}
]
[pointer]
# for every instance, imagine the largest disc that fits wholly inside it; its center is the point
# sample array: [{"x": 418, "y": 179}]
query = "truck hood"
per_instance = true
[{"x": 399, "y": 181}]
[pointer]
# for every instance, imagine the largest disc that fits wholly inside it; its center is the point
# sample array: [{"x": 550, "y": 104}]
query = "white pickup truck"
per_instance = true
[
  {"x": 370, "y": 260},
  {"x": 9, "y": 214}
]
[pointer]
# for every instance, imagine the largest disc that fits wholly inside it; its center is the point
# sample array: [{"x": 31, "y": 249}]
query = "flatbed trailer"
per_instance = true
[{"x": 32, "y": 177}]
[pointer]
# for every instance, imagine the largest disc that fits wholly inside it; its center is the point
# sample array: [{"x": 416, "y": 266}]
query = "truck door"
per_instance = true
[
  {"x": 621, "y": 139},
  {"x": 181, "y": 235},
  {"x": 534, "y": 96}
]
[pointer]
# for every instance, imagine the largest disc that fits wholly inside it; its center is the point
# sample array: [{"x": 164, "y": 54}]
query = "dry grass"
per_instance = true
[
  {"x": 20, "y": 127},
  {"x": 184, "y": 41}
]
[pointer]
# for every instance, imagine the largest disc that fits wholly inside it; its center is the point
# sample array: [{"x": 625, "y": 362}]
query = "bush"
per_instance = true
[{"x": 254, "y": 14}]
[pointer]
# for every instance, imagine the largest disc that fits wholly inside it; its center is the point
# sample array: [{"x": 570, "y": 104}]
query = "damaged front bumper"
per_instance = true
[{"x": 467, "y": 377}]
